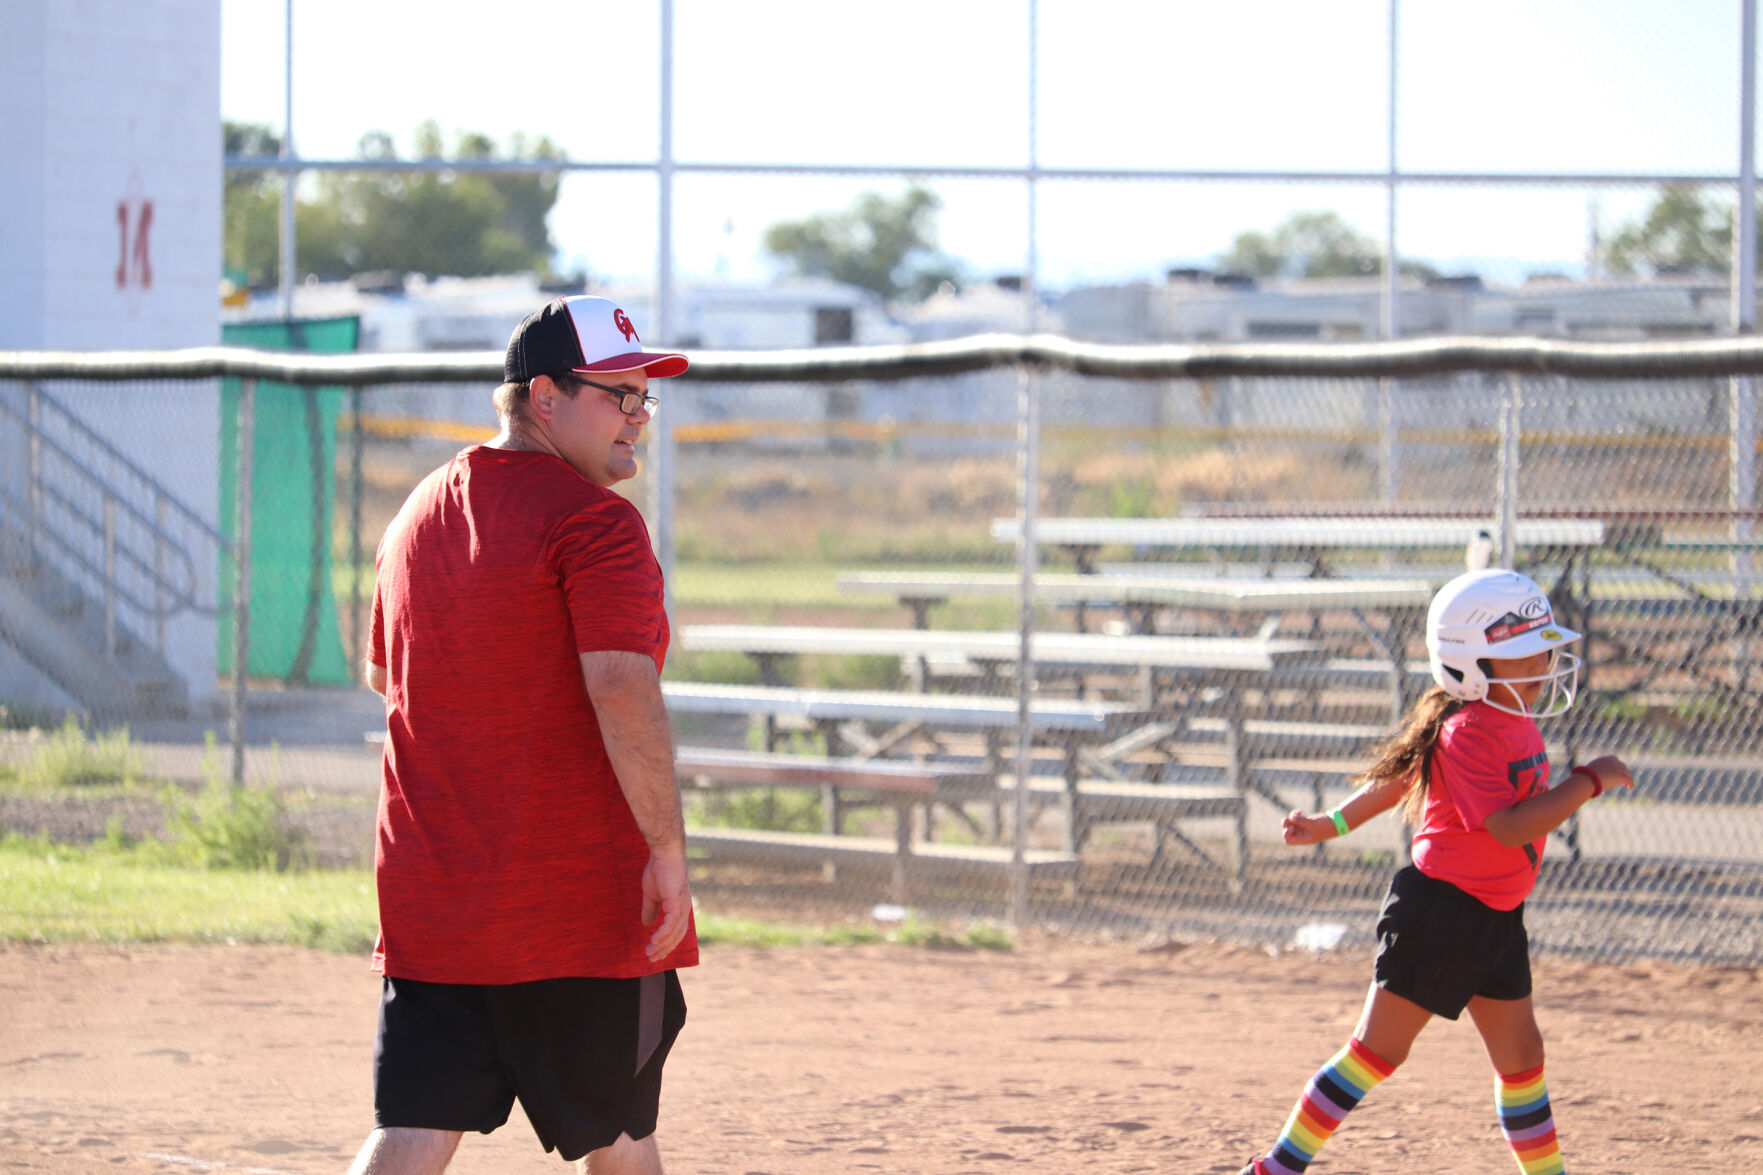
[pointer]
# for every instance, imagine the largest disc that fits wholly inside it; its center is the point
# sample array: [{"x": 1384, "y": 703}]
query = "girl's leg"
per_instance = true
[
  {"x": 1386, "y": 1030},
  {"x": 1515, "y": 1045}
]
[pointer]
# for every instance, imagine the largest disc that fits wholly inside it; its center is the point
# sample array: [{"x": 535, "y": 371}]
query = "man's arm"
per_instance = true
[
  {"x": 625, "y": 690},
  {"x": 375, "y": 676}
]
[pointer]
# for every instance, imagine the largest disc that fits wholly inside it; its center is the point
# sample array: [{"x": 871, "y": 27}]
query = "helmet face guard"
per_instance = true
[
  {"x": 1498, "y": 615},
  {"x": 1557, "y": 696}
]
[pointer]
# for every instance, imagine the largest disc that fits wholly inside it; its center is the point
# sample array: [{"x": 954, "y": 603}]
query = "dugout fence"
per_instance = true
[{"x": 786, "y": 487}]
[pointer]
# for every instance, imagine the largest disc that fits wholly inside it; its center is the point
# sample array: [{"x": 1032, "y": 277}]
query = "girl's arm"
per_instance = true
[
  {"x": 1532, "y": 819},
  {"x": 1373, "y": 799}
]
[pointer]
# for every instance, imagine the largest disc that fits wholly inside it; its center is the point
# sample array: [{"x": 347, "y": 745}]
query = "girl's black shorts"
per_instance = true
[
  {"x": 1440, "y": 947},
  {"x": 584, "y": 1056}
]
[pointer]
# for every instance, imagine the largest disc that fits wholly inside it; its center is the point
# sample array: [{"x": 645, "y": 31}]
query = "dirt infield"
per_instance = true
[{"x": 1058, "y": 1057}]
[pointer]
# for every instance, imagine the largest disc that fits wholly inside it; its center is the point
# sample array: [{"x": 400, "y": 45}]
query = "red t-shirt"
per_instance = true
[
  {"x": 1485, "y": 760},
  {"x": 505, "y": 850}
]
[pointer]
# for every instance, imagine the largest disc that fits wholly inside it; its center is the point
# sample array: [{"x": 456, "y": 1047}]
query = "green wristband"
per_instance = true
[{"x": 1340, "y": 823}]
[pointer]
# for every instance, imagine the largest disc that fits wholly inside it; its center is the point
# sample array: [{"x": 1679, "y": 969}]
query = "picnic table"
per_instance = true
[
  {"x": 1090, "y": 739},
  {"x": 1215, "y": 670},
  {"x": 880, "y": 723},
  {"x": 991, "y": 648},
  {"x": 1307, "y": 538},
  {"x": 1402, "y": 601}
]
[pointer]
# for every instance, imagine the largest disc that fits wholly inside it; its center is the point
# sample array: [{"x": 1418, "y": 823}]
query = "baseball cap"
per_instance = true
[{"x": 581, "y": 333}]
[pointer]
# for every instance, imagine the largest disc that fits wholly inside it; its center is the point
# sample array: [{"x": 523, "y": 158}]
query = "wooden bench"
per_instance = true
[
  {"x": 900, "y": 783},
  {"x": 1165, "y": 806},
  {"x": 1092, "y": 739},
  {"x": 929, "y": 860},
  {"x": 1077, "y": 650},
  {"x": 903, "y": 784},
  {"x": 1054, "y": 715}
]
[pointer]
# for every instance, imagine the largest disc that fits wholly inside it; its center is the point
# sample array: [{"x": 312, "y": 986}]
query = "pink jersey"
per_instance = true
[
  {"x": 1485, "y": 760},
  {"x": 506, "y": 850}
]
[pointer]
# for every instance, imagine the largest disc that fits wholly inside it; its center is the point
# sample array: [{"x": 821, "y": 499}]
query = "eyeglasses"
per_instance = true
[{"x": 628, "y": 402}]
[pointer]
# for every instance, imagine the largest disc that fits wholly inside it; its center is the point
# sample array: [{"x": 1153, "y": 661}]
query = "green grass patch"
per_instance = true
[
  {"x": 722, "y": 930},
  {"x": 777, "y": 809},
  {"x": 979, "y": 936},
  {"x": 112, "y": 892},
  {"x": 67, "y": 758}
]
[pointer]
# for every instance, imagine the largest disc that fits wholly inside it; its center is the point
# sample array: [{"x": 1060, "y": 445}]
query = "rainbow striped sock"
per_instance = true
[
  {"x": 1337, "y": 1087},
  {"x": 1527, "y": 1121}
]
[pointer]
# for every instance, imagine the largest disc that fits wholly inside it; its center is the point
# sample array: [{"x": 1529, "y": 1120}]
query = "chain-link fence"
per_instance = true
[{"x": 1234, "y": 548}]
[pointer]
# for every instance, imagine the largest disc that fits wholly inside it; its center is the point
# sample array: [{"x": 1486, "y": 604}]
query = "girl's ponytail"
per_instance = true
[{"x": 1408, "y": 752}]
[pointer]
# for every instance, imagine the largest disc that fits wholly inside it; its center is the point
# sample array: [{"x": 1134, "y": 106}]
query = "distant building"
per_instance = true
[
  {"x": 997, "y": 306},
  {"x": 416, "y": 313},
  {"x": 1197, "y": 305},
  {"x": 1661, "y": 308}
]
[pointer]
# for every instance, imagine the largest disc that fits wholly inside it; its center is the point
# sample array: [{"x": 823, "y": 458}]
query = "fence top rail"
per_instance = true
[{"x": 1402, "y": 359}]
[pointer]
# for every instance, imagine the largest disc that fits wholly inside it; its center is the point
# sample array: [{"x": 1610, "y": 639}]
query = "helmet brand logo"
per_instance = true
[
  {"x": 1511, "y": 625},
  {"x": 1534, "y": 607}
]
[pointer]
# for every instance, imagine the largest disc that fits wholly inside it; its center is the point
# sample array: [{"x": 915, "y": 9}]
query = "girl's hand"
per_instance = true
[
  {"x": 1613, "y": 771},
  {"x": 1303, "y": 829}
]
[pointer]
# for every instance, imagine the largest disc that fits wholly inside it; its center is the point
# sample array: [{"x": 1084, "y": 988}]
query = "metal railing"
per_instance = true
[{"x": 106, "y": 524}]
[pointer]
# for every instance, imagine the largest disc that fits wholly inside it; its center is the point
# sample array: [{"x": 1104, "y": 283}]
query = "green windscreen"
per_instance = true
[{"x": 293, "y": 634}]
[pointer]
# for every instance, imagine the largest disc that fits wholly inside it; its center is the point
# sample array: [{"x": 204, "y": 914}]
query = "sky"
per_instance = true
[{"x": 1641, "y": 87}]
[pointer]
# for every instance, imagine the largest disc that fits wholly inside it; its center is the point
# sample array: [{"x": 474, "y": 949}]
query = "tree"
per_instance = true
[
  {"x": 458, "y": 223},
  {"x": 1680, "y": 233},
  {"x": 881, "y": 244},
  {"x": 1311, "y": 244},
  {"x": 252, "y": 202}
]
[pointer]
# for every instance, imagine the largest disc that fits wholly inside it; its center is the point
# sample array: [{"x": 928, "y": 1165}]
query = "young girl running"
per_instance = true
[{"x": 1469, "y": 768}]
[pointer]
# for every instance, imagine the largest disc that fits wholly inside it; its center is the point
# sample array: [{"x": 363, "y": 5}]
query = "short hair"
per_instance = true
[{"x": 512, "y": 398}]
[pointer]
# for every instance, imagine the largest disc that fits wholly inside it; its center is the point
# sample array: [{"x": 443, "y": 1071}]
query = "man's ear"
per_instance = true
[{"x": 542, "y": 396}]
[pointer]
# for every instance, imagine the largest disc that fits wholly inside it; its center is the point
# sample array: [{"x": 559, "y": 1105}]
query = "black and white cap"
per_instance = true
[{"x": 582, "y": 333}]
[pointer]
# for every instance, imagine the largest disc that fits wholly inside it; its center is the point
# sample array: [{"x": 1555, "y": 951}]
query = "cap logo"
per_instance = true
[
  {"x": 1534, "y": 607},
  {"x": 624, "y": 325},
  {"x": 1550, "y": 634}
]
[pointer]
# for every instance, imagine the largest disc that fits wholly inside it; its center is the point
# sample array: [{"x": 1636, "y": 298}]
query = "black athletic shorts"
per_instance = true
[
  {"x": 584, "y": 1056},
  {"x": 1440, "y": 947}
]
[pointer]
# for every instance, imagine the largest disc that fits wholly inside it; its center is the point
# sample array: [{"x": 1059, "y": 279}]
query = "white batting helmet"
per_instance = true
[{"x": 1498, "y": 615}]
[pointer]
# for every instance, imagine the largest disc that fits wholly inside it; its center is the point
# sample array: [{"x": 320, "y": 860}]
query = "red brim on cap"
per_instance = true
[{"x": 658, "y": 366}]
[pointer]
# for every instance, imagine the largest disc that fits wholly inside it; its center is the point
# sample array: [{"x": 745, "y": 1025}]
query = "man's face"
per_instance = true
[{"x": 593, "y": 434}]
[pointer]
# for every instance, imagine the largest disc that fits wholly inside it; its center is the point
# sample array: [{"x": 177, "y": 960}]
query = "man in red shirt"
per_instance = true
[{"x": 530, "y": 854}]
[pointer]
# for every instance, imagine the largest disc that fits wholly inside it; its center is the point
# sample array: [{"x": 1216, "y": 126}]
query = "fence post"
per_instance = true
[
  {"x": 1511, "y": 407},
  {"x": 1744, "y": 308},
  {"x": 34, "y": 450},
  {"x": 110, "y": 577},
  {"x": 159, "y": 520},
  {"x": 246, "y": 439},
  {"x": 1029, "y": 490},
  {"x": 356, "y": 438}
]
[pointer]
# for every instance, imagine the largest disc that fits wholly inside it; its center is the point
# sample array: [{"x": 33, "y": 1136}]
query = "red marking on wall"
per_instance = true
[{"x": 134, "y": 254}]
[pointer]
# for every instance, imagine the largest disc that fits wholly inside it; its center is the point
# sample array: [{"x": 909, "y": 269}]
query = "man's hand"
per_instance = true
[{"x": 667, "y": 895}]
